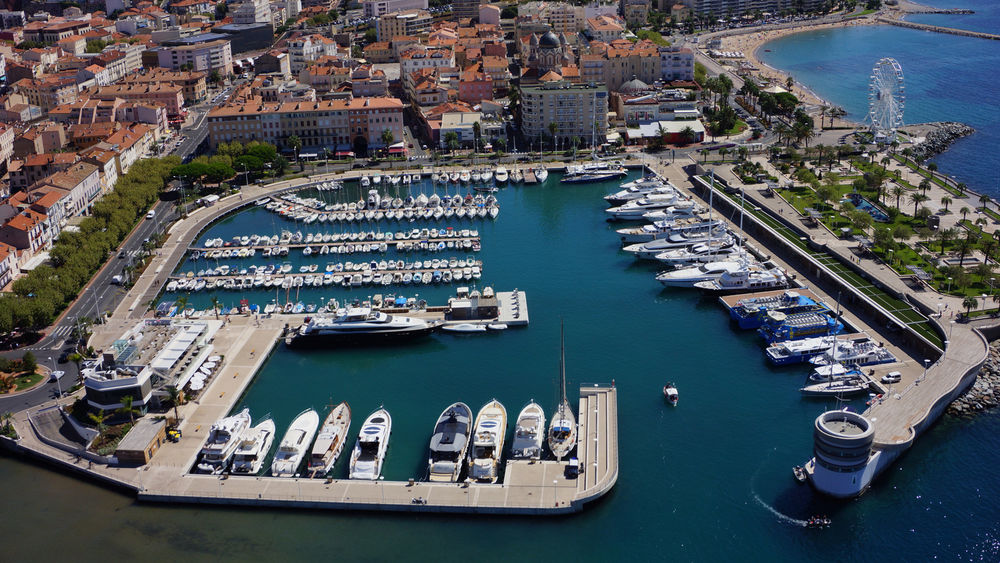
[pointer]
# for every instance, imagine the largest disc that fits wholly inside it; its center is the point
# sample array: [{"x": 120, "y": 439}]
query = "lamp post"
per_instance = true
[
  {"x": 58, "y": 383},
  {"x": 984, "y": 301},
  {"x": 949, "y": 285},
  {"x": 927, "y": 364},
  {"x": 891, "y": 262},
  {"x": 951, "y": 328}
]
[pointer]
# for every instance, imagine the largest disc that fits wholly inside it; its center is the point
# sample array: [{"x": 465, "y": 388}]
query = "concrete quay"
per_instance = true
[{"x": 938, "y": 28}]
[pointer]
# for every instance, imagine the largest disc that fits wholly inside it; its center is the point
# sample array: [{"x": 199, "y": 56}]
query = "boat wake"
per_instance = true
[
  {"x": 782, "y": 517},
  {"x": 777, "y": 513}
]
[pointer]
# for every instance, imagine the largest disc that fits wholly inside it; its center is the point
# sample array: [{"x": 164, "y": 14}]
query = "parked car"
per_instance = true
[{"x": 892, "y": 377}]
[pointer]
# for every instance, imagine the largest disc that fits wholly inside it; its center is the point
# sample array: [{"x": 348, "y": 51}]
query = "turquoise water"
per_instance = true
[
  {"x": 705, "y": 481},
  {"x": 947, "y": 77}
]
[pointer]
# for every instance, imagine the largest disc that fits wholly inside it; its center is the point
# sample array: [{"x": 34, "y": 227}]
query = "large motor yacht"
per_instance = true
[
  {"x": 369, "y": 451},
  {"x": 253, "y": 447},
  {"x": 594, "y": 172},
  {"x": 529, "y": 432},
  {"x": 295, "y": 444},
  {"x": 330, "y": 440},
  {"x": 223, "y": 438},
  {"x": 357, "y": 324},
  {"x": 449, "y": 443},
  {"x": 487, "y": 444}
]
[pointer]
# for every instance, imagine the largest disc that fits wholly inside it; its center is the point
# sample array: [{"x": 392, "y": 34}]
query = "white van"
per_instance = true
[{"x": 151, "y": 214}]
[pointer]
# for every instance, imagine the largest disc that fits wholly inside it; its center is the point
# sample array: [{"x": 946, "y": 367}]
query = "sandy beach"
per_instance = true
[{"x": 750, "y": 44}]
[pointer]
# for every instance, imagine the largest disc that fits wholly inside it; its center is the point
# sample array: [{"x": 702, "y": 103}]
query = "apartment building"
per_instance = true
[
  {"x": 168, "y": 95},
  {"x": 215, "y": 54},
  {"x": 577, "y": 110},
  {"x": 47, "y": 92},
  {"x": 376, "y": 8},
  {"x": 306, "y": 49}
]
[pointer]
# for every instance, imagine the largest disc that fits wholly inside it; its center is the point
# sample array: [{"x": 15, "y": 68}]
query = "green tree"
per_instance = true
[
  {"x": 387, "y": 137},
  {"x": 451, "y": 141},
  {"x": 553, "y": 129},
  {"x": 946, "y": 201},
  {"x": 28, "y": 362},
  {"x": 216, "y": 304},
  {"x": 860, "y": 220},
  {"x": 98, "y": 419},
  {"x": 127, "y": 408},
  {"x": 883, "y": 239},
  {"x": 295, "y": 143},
  {"x": 944, "y": 235},
  {"x": 916, "y": 199},
  {"x": 964, "y": 211},
  {"x": 825, "y": 193},
  {"x": 924, "y": 185},
  {"x": 969, "y": 303},
  {"x": 214, "y": 77},
  {"x": 985, "y": 200},
  {"x": 175, "y": 398}
]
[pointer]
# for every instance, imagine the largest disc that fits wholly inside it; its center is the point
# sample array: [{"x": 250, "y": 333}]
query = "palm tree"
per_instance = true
[
  {"x": 964, "y": 211},
  {"x": 789, "y": 82},
  {"x": 295, "y": 143},
  {"x": 961, "y": 187},
  {"x": 126, "y": 408},
  {"x": 704, "y": 153},
  {"x": 822, "y": 115},
  {"x": 181, "y": 303},
  {"x": 98, "y": 418},
  {"x": 970, "y": 303},
  {"x": 175, "y": 397},
  {"x": 723, "y": 152},
  {"x": 932, "y": 168},
  {"x": 917, "y": 198},
  {"x": 898, "y": 191},
  {"x": 945, "y": 201},
  {"x": 964, "y": 247},
  {"x": 553, "y": 129},
  {"x": 944, "y": 235},
  {"x": 387, "y": 137},
  {"x": 925, "y": 185},
  {"x": 215, "y": 306},
  {"x": 7, "y": 418},
  {"x": 885, "y": 163},
  {"x": 984, "y": 199}
]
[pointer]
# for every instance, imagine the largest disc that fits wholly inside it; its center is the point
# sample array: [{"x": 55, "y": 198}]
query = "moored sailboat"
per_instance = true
[{"x": 562, "y": 429}]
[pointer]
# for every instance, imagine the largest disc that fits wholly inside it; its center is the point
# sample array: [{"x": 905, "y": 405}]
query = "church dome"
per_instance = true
[{"x": 550, "y": 39}]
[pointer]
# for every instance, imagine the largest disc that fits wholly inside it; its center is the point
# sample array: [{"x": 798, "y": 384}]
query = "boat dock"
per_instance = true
[
  {"x": 512, "y": 308},
  {"x": 395, "y": 244},
  {"x": 730, "y": 301}
]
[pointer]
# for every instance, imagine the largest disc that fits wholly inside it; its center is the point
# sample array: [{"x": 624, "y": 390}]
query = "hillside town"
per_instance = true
[{"x": 90, "y": 90}]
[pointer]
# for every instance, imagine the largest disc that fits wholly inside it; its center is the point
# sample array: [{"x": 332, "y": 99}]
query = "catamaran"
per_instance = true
[
  {"x": 369, "y": 451},
  {"x": 487, "y": 444},
  {"x": 562, "y": 429},
  {"x": 294, "y": 445},
  {"x": 330, "y": 440},
  {"x": 449, "y": 443}
]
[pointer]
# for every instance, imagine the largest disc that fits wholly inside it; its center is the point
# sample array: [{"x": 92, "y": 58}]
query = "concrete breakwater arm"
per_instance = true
[{"x": 938, "y": 28}]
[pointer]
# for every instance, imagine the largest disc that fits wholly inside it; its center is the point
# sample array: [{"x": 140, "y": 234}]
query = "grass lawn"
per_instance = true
[
  {"x": 738, "y": 128},
  {"x": 22, "y": 381},
  {"x": 927, "y": 174}
]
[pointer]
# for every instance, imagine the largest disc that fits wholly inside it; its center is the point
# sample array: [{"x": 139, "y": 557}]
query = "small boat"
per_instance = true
[
  {"x": 800, "y": 474},
  {"x": 497, "y": 326},
  {"x": 501, "y": 175},
  {"x": 254, "y": 445},
  {"x": 295, "y": 444},
  {"x": 369, "y": 451},
  {"x": 487, "y": 446},
  {"x": 449, "y": 443},
  {"x": 330, "y": 440},
  {"x": 541, "y": 173},
  {"x": 528, "y": 432},
  {"x": 464, "y": 328},
  {"x": 818, "y": 522},
  {"x": 670, "y": 393},
  {"x": 562, "y": 429}
]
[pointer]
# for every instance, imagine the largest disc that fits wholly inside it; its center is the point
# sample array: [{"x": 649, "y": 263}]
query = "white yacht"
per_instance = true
[
  {"x": 501, "y": 175},
  {"x": 649, "y": 250},
  {"x": 843, "y": 387},
  {"x": 854, "y": 353},
  {"x": 635, "y": 209},
  {"x": 330, "y": 440},
  {"x": 562, "y": 429},
  {"x": 704, "y": 252},
  {"x": 638, "y": 188},
  {"x": 529, "y": 432},
  {"x": 541, "y": 173},
  {"x": 254, "y": 445},
  {"x": 357, "y": 324},
  {"x": 684, "y": 208},
  {"x": 667, "y": 227},
  {"x": 223, "y": 438},
  {"x": 687, "y": 277},
  {"x": 369, "y": 451},
  {"x": 597, "y": 171},
  {"x": 487, "y": 444},
  {"x": 295, "y": 444},
  {"x": 449, "y": 443},
  {"x": 746, "y": 280}
]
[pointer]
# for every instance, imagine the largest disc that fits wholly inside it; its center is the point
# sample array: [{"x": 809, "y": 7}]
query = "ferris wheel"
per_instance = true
[{"x": 886, "y": 99}]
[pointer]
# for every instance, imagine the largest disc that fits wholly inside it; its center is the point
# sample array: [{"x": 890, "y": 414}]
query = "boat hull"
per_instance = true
[{"x": 328, "y": 340}]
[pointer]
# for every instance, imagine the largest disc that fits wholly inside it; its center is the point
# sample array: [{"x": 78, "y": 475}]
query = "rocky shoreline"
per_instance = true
[
  {"x": 985, "y": 392},
  {"x": 937, "y": 140}
]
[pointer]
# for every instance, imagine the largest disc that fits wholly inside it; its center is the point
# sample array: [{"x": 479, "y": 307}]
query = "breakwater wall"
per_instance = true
[{"x": 938, "y": 29}]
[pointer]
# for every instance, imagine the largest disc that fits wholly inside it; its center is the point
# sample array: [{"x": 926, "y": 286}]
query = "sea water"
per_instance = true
[
  {"x": 947, "y": 78},
  {"x": 707, "y": 480}
]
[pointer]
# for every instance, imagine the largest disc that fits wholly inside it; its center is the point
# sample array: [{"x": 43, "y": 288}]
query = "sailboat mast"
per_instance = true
[{"x": 562, "y": 361}]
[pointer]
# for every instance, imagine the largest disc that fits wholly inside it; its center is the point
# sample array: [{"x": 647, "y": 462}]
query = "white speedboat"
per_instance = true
[
  {"x": 223, "y": 438},
  {"x": 254, "y": 445},
  {"x": 670, "y": 393},
  {"x": 638, "y": 188},
  {"x": 541, "y": 173},
  {"x": 529, "y": 432},
  {"x": 330, "y": 440},
  {"x": 295, "y": 444},
  {"x": 635, "y": 209},
  {"x": 357, "y": 324},
  {"x": 562, "y": 428},
  {"x": 487, "y": 444},
  {"x": 687, "y": 277},
  {"x": 501, "y": 175},
  {"x": 369, "y": 451},
  {"x": 464, "y": 328},
  {"x": 465, "y": 176},
  {"x": 449, "y": 443}
]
